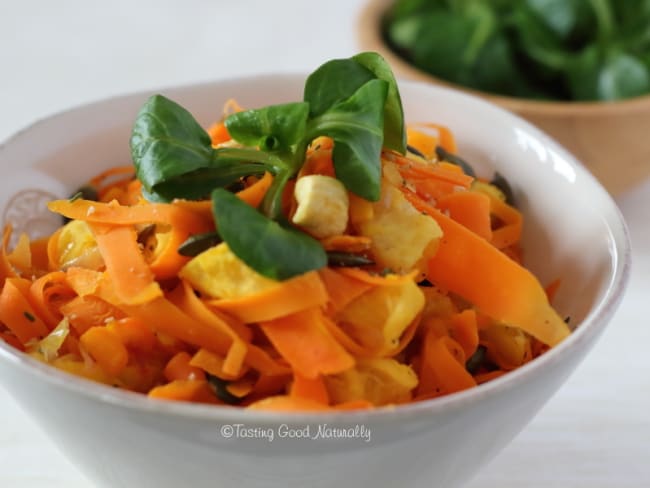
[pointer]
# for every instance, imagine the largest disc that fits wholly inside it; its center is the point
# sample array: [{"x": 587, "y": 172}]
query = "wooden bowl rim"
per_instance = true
[{"x": 369, "y": 39}]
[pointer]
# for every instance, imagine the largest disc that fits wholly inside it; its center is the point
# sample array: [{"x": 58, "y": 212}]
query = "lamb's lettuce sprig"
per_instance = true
[{"x": 354, "y": 101}]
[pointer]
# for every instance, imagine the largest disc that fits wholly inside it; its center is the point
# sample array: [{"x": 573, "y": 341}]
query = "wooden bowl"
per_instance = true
[{"x": 610, "y": 138}]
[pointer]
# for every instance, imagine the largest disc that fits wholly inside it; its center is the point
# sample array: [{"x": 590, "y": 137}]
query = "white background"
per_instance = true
[{"x": 56, "y": 54}]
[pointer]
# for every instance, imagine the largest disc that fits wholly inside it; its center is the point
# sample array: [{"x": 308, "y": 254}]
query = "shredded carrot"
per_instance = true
[
  {"x": 18, "y": 314},
  {"x": 347, "y": 243},
  {"x": 218, "y": 133},
  {"x": 471, "y": 209},
  {"x": 179, "y": 367},
  {"x": 106, "y": 348},
  {"x": 133, "y": 279},
  {"x": 38, "y": 249},
  {"x": 103, "y": 179},
  {"x": 254, "y": 194},
  {"x": 84, "y": 312},
  {"x": 341, "y": 288},
  {"x": 12, "y": 340},
  {"x": 133, "y": 333},
  {"x": 469, "y": 266},
  {"x": 285, "y": 298},
  {"x": 162, "y": 315},
  {"x": 186, "y": 298},
  {"x": 184, "y": 391},
  {"x": 510, "y": 232},
  {"x": 423, "y": 142},
  {"x": 440, "y": 361},
  {"x": 464, "y": 330},
  {"x": 240, "y": 388},
  {"x": 106, "y": 298},
  {"x": 112, "y": 213},
  {"x": 485, "y": 377},
  {"x": 319, "y": 162},
  {"x": 416, "y": 170},
  {"x": 388, "y": 279},
  {"x": 285, "y": 403},
  {"x": 230, "y": 107},
  {"x": 444, "y": 135},
  {"x": 303, "y": 339},
  {"x": 47, "y": 294},
  {"x": 212, "y": 363},
  {"x": 309, "y": 388},
  {"x": 118, "y": 190}
]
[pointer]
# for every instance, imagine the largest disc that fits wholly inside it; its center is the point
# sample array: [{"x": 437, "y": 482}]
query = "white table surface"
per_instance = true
[{"x": 53, "y": 55}]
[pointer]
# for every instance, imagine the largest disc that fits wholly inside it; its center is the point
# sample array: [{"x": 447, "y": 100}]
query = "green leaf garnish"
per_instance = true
[
  {"x": 273, "y": 249},
  {"x": 278, "y": 128},
  {"x": 356, "y": 125},
  {"x": 394, "y": 133},
  {"x": 354, "y": 101}
]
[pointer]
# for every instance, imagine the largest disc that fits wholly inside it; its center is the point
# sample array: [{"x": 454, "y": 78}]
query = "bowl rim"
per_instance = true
[
  {"x": 369, "y": 38},
  {"x": 589, "y": 328}
]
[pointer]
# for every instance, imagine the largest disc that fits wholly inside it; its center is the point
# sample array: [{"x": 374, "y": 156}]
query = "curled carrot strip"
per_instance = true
[
  {"x": 286, "y": 403},
  {"x": 47, "y": 294},
  {"x": 285, "y": 298},
  {"x": 185, "y": 391},
  {"x": 40, "y": 261},
  {"x": 411, "y": 169},
  {"x": 84, "y": 312},
  {"x": 133, "y": 280},
  {"x": 347, "y": 243},
  {"x": 510, "y": 232},
  {"x": 319, "y": 162},
  {"x": 196, "y": 309},
  {"x": 464, "y": 330},
  {"x": 423, "y": 142},
  {"x": 477, "y": 271},
  {"x": 254, "y": 194},
  {"x": 310, "y": 388},
  {"x": 442, "y": 367},
  {"x": 303, "y": 340},
  {"x": 389, "y": 279},
  {"x": 471, "y": 209},
  {"x": 106, "y": 348},
  {"x": 218, "y": 133},
  {"x": 341, "y": 288},
  {"x": 99, "y": 181},
  {"x": 18, "y": 314},
  {"x": 212, "y": 363},
  {"x": 114, "y": 214},
  {"x": 445, "y": 136}
]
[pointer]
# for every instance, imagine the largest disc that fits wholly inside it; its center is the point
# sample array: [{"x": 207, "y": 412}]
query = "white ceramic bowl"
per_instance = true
[{"x": 573, "y": 231}]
